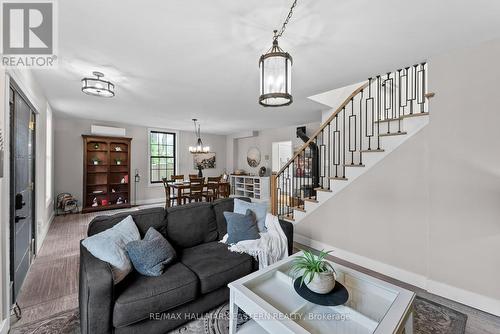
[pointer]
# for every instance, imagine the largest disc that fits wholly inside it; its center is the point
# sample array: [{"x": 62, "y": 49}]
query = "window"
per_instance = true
[
  {"x": 161, "y": 155},
  {"x": 48, "y": 157}
]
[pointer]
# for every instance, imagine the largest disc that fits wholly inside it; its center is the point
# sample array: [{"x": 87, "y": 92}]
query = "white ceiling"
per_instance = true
[{"x": 173, "y": 60}]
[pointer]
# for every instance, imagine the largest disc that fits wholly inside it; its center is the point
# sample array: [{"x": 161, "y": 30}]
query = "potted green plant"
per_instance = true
[
  {"x": 118, "y": 161},
  {"x": 95, "y": 161},
  {"x": 317, "y": 273}
]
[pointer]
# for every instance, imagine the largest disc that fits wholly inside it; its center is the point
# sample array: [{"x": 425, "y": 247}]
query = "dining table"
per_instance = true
[{"x": 180, "y": 186}]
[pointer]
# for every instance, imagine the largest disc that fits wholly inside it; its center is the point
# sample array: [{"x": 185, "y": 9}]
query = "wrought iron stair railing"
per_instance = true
[{"x": 353, "y": 129}]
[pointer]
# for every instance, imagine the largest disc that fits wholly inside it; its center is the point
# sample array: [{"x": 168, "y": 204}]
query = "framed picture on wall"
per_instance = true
[{"x": 205, "y": 160}]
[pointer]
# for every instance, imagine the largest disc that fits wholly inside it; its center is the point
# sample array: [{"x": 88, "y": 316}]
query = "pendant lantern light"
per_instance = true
[{"x": 275, "y": 68}]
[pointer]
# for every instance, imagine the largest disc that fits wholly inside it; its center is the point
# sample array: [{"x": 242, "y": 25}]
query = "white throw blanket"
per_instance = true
[{"x": 270, "y": 248}]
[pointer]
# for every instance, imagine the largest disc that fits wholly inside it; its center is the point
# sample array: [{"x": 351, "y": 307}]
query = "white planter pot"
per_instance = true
[{"x": 322, "y": 283}]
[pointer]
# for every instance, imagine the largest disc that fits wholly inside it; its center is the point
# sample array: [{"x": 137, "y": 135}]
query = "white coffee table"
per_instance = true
[{"x": 268, "y": 297}]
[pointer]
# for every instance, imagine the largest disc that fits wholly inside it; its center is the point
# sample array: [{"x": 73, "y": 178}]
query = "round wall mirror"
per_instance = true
[{"x": 253, "y": 157}]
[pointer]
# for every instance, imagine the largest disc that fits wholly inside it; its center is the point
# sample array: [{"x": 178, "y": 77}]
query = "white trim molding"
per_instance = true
[
  {"x": 472, "y": 299},
  {"x": 469, "y": 298},
  {"x": 4, "y": 326}
]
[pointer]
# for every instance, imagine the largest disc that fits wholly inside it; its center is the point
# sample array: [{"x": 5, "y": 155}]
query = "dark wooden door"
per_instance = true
[{"x": 22, "y": 149}]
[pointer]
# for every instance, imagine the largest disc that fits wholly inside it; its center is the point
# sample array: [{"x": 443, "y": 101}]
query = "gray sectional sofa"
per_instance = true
[{"x": 194, "y": 284}]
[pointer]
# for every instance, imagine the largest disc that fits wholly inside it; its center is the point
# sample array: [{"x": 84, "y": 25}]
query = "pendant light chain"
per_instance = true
[{"x": 283, "y": 27}]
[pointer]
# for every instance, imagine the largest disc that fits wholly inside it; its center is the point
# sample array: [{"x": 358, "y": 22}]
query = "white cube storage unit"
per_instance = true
[{"x": 254, "y": 187}]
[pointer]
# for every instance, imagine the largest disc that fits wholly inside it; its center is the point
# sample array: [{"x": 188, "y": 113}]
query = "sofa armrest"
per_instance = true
[
  {"x": 287, "y": 228},
  {"x": 95, "y": 295}
]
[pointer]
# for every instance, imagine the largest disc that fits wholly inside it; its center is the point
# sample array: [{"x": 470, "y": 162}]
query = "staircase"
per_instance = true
[{"x": 375, "y": 119}]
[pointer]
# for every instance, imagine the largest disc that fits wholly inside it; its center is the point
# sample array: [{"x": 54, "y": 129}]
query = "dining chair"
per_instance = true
[
  {"x": 196, "y": 191},
  {"x": 212, "y": 188},
  {"x": 224, "y": 189},
  {"x": 176, "y": 178},
  {"x": 169, "y": 200},
  {"x": 193, "y": 176}
]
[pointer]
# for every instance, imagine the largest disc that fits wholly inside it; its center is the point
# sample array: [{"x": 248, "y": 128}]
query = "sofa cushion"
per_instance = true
[
  {"x": 221, "y": 205},
  {"x": 144, "y": 219},
  {"x": 215, "y": 265},
  {"x": 190, "y": 225},
  {"x": 241, "y": 227},
  {"x": 151, "y": 255},
  {"x": 143, "y": 295},
  {"x": 259, "y": 209},
  {"x": 110, "y": 246}
]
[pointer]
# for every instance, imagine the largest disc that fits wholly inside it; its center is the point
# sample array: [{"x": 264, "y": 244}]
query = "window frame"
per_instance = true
[{"x": 152, "y": 183}]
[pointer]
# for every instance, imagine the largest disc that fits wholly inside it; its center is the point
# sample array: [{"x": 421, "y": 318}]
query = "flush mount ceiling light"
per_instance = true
[
  {"x": 198, "y": 148},
  {"x": 97, "y": 86},
  {"x": 276, "y": 72}
]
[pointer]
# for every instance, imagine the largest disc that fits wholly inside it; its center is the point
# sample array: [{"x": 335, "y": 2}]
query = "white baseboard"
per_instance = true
[
  {"x": 4, "y": 326},
  {"x": 160, "y": 200},
  {"x": 43, "y": 232},
  {"x": 472, "y": 299},
  {"x": 468, "y": 298}
]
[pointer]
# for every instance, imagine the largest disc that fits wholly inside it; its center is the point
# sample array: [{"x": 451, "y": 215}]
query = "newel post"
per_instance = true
[{"x": 274, "y": 194}]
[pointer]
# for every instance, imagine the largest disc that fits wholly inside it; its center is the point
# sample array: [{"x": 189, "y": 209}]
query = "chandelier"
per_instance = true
[
  {"x": 198, "y": 148},
  {"x": 276, "y": 72},
  {"x": 97, "y": 86}
]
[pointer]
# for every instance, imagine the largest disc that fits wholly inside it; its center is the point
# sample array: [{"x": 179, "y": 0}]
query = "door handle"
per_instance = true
[{"x": 18, "y": 218}]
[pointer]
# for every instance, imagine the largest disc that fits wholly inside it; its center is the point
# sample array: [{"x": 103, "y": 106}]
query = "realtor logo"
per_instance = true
[{"x": 28, "y": 30}]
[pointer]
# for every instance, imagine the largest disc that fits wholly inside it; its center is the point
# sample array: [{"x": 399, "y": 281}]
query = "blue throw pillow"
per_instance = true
[
  {"x": 241, "y": 227},
  {"x": 259, "y": 209},
  {"x": 151, "y": 255}
]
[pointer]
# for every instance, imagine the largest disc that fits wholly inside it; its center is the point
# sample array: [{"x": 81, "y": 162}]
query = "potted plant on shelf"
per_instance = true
[
  {"x": 118, "y": 161},
  {"x": 317, "y": 273},
  {"x": 95, "y": 161}
]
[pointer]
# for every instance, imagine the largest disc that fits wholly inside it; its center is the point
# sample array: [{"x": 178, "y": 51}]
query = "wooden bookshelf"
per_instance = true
[{"x": 106, "y": 162}]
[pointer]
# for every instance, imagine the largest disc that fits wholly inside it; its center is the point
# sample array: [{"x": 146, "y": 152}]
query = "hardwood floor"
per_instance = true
[
  {"x": 51, "y": 286},
  {"x": 478, "y": 322}
]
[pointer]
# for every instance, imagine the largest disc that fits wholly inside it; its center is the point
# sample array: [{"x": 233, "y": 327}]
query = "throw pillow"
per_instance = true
[
  {"x": 109, "y": 246},
  {"x": 151, "y": 255},
  {"x": 241, "y": 227},
  {"x": 259, "y": 209}
]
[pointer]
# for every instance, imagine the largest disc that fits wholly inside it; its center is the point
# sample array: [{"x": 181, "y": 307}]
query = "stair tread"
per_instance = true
[
  {"x": 312, "y": 200},
  {"x": 323, "y": 189},
  {"x": 338, "y": 178},
  {"x": 298, "y": 208},
  {"x": 373, "y": 151},
  {"x": 353, "y": 165},
  {"x": 288, "y": 217},
  {"x": 393, "y": 134},
  {"x": 403, "y": 117}
]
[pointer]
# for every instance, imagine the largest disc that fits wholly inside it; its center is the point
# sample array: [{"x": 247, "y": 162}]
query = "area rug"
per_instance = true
[{"x": 430, "y": 318}]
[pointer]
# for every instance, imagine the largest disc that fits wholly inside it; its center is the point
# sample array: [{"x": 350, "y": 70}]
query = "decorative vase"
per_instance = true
[
  {"x": 200, "y": 171},
  {"x": 322, "y": 283}
]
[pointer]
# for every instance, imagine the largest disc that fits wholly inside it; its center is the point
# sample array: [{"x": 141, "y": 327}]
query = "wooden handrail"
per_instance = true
[{"x": 328, "y": 121}]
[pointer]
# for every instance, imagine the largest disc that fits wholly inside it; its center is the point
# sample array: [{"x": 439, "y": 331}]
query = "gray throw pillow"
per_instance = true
[
  {"x": 110, "y": 244},
  {"x": 259, "y": 209},
  {"x": 241, "y": 227},
  {"x": 151, "y": 255}
]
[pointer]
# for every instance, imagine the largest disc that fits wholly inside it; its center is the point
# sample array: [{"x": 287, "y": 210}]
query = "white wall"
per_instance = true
[
  {"x": 44, "y": 210},
  {"x": 69, "y": 156},
  {"x": 429, "y": 213},
  {"x": 263, "y": 141}
]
